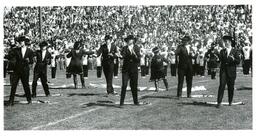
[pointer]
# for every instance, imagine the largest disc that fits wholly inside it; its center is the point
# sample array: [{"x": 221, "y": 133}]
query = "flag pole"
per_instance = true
[{"x": 40, "y": 22}]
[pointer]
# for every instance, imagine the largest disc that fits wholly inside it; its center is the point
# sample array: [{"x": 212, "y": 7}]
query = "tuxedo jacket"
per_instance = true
[
  {"x": 41, "y": 65},
  {"x": 106, "y": 58},
  {"x": 22, "y": 63},
  {"x": 131, "y": 61},
  {"x": 228, "y": 64},
  {"x": 184, "y": 58},
  {"x": 11, "y": 59}
]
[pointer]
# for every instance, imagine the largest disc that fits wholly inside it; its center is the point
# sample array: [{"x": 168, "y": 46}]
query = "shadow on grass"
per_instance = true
[
  {"x": 195, "y": 103},
  {"x": 20, "y": 95},
  {"x": 17, "y": 95},
  {"x": 160, "y": 97},
  {"x": 6, "y": 103},
  {"x": 101, "y": 103},
  {"x": 69, "y": 87},
  {"x": 244, "y": 88},
  {"x": 82, "y": 94},
  {"x": 38, "y": 95}
]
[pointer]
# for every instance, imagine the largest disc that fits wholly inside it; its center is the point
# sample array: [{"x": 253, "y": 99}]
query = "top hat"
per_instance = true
[
  {"x": 43, "y": 44},
  {"x": 227, "y": 37},
  {"x": 22, "y": 38},
  {"x": 155, "y": 50},
  {"x": 77, "y": 45},
  {"x": 213, "y": 44},
  {"x": 130, "y": 37},
  {"x": 186, "y": 38},
  {"x": 107, "y": 37}
]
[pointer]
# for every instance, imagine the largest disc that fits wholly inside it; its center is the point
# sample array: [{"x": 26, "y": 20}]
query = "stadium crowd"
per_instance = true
[{"x": 161, "y": 26}]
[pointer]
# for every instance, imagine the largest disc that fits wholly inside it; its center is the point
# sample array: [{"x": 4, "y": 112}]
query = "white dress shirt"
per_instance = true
[
  {"x": 109, "y": 47},
  {"x": 228, "y": 51},
  {"x": 23, "y": 51},
  {"x": 130, "y": 47},
  {"x": 188, "y": 48},
  {"x": 43, "y": 54}
]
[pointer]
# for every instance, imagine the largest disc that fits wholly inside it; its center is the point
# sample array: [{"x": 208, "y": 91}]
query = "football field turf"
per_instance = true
[{"x": 91, "y": 108}]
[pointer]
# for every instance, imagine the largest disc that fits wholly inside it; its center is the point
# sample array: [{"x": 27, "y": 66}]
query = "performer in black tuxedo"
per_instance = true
[
  {"x": 43, "y": 58},
  {"x": 229, "y": 58},
  {"x": 184, "y": 55},
  {"x": 10, "y": 59},
  {"x": 23, "y": 57},
  {"x": 131, "y": 60},
  {"x": 108, "y": 52}
]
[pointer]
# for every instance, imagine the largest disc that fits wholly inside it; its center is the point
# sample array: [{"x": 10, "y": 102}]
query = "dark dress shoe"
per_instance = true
[
  {"x": 113, "y": 93},
  {"x": 29, "y": 102},
  {"x": 10, "y": 104},
  {"x": 137, "y": 103},
  {"x": 218, "y": 106},
  {"x": 178, "y": 97},
  {"x": 230, "y": 104}
]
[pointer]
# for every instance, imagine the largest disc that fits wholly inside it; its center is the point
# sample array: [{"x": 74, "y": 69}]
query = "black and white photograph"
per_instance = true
[{"x": 127, "y": 67}]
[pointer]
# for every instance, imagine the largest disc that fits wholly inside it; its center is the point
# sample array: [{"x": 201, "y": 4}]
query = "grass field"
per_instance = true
[{"x": 91, "y": 108}]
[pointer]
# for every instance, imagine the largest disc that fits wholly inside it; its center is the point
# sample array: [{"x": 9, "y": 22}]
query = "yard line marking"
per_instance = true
[
  {"x": 223, "y": 103},
  {"x": 67, "y": 118},
  {"x": 38, "y": 95},
  {"x": 97, "y": 108}
]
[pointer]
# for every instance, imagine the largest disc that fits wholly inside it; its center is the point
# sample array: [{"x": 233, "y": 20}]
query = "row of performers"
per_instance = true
[
  {"x": 132, "y": 56},
  {"x": 202, "y": 58}
]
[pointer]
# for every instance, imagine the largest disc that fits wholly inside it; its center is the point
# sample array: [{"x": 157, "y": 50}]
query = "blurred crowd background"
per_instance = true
[
  {"x": 152, "y": 24},
  {"x": 161, "y": 26}
]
